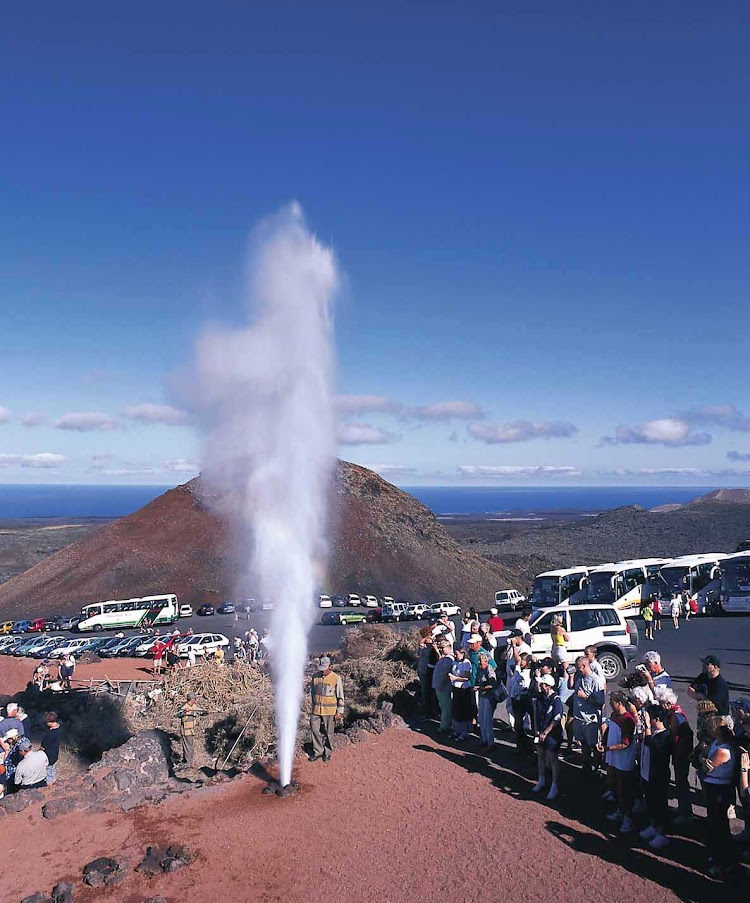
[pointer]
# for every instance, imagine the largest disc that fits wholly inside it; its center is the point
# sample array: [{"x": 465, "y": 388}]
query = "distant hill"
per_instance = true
[
  {"x": 384, "y": 542},
  {"x": 716, "y": 522}
]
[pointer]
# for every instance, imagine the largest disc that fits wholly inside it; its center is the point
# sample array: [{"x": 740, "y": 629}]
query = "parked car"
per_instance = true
[
  {"x": 6, "y": 627},
  {"x": 21, "y": 626},
  {"x": 206, "y": 610},
  {"x": 325, "y": 602},
  {"x": 509, "y": 599},
  {"x": 28, "y": 646},
  {"x": 70, "y": 623},
  {"x": 340, "y": 601},
  {"x": 144, "y": 647},
  {"x": 126, "y": 647},
  {"x": 38, "y": 625},
  {"x": 353, "y": 599},
  {"x": 202, "y": 644},
  {"x": 395, "y": 611},
  {"x": 7, "y": 642},
  {"x": 54, "y": 622},
  {"x": 375, "y": 615},
  {"x": 226, "y": 609},
  {"x": 106, "y": 644},
  {"x": 73, "y": 645},
  {"x": 603, "y": 626},
  {"x": 445, "y": 608},
  {"x": 343, "y": 617},
  {"x": 370, "y": 601},
  {"x": 416, "y": 612},
  {"x": 186, "y": 611},
  {"x": 43, "y": 650}
]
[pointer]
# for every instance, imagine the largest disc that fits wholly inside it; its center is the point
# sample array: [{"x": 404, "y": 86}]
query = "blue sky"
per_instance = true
[{"x": 540, "y": 209}]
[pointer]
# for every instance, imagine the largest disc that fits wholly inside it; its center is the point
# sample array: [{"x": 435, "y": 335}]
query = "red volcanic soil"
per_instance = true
[
  {"x": 15, "y": 673},
  {"x": 397, "y": 817},
  {"x": 383, "y": 541}
]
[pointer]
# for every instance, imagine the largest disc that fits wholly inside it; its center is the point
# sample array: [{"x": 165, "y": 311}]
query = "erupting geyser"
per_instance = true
[{"x": 265, "y": 400}]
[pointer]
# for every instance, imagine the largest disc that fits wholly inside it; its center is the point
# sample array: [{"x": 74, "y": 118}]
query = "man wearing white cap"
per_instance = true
[
  {"x": 497, "y": 625},
  {"x": 12, "y": 721},
  {"x": 327, "y": 697}
]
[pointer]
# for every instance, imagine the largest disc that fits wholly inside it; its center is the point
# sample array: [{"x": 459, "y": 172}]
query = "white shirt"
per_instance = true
[
  {"x": 523, "y": 626},
  {"x": 675, "y": 608},
  {"x": 32, "y": 768}
]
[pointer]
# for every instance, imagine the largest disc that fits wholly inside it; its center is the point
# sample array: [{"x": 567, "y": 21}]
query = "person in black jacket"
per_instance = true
[
  {"x": 709, "y": 684},
  {"x": 655, "y": 758}
]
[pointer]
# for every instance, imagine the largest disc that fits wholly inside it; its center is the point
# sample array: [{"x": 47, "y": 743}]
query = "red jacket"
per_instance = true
[{"x": 496, "y": 624}]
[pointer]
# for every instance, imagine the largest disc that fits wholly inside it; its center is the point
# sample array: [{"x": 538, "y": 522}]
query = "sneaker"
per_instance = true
[
  {"x": 731, "y": 812},
  {"x": 627, "y": 825},
  {"x": 313, "y": 758},
  {"x": 554, "y": 792},
  {"x": 538, "y": 787},
  {"x": 648, "y": 833},
  {"x": 608, "y": 795},
  {"x": 326, "y": 757},
  {"x": 615, "y": 816},
  {"x": 659, "y": 842}
]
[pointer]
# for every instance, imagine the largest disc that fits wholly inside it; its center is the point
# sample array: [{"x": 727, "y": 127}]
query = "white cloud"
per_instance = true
[
  {"x": 39, "y": 461},
  {"x": 520, "y": 431},
  {"x": 5, "y": 415},
  {"x": 33, "y": 419},
  {"x": 394, "y": 470},
  {"x": 657, "y": 472},
  {"x": 181, "y": 465},
  {"x": 724, "y": 415},
  {"x": 445, "y": 410},
  {"x": 349, "y": 405},
  {"x": 365, "y": 434},
  {"x": 738, "y": 456},
  {"x": 516, "y": 470},
  {"x": 670, "y": 431},
  {"x": 86, "y": 422},
  {"x": 163, "y": 414}
]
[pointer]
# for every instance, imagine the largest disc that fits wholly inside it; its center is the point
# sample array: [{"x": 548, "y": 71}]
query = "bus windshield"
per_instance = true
[
  {"x": 674, "y": 579},
  {"x": 600, "y": 587},
  {"x": 735, "y": 579},
  {"x": 546, "y": 592}
]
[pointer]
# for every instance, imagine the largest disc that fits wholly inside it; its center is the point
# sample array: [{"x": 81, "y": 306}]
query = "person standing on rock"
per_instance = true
[
  {"x": 187, "y": 715},
  {"x": 327, "y": 697}
]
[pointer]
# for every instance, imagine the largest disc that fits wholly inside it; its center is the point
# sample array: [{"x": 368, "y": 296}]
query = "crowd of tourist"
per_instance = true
[
  {"x": 25, "y": 765},
  {"x": 633, "y": 737}
]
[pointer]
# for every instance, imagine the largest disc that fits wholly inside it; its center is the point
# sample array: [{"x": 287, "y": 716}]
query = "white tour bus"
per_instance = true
[
  {"x": 558, "y": 587},
  {"x": 698, "y": 574},
  {"x": 734, "y": 589},
  {"x": 146, "y": 612},
  {"x": 624, "y": 584}
]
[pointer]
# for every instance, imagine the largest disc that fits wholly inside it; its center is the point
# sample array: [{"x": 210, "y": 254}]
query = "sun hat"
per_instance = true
[
  {"x": 547, "y": 679},
  {"x": 493, "y": 611},
  {"x": 11, "y": 735}
]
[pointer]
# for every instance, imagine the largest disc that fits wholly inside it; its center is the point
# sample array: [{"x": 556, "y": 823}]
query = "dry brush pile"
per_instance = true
[{"x": 377, "y": 664}]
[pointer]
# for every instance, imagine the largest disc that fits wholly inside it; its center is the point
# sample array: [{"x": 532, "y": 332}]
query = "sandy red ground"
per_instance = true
[
  {"x": 398, "y": 817},
  {"x": 15, "y": 673}
]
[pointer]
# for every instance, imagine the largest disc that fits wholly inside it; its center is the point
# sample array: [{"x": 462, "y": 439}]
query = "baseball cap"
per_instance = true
[
  {"x": 24, "y": 744},
  {"x": 547, "y": 679},
  {"x": 712, "y": 660},
  {"x": 475, "y": 638},
  {"x": 515, "y": 632},
  {"x": 493, "y": 611},
  {"x": 324, "y": 662}
]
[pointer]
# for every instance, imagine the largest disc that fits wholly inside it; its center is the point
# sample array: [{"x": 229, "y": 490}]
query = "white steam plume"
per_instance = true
[{"x": 266, "y": 402}]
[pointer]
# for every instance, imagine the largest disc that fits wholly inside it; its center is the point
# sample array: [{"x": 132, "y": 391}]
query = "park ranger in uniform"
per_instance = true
[{"x": 327, "y": 697}]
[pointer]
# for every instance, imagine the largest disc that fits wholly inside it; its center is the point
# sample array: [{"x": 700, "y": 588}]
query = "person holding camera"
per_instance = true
[{"x": 548, "y": 717}]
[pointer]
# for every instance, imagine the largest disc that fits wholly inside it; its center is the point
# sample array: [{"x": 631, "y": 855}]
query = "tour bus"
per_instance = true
[
  {"x": 624, "y": 584},
  {"x": 734, "y": 588},
  {"x": 558, "y": 587},
  {"x": 698, "y": 574},
  {"x": 146, "y": 612}
]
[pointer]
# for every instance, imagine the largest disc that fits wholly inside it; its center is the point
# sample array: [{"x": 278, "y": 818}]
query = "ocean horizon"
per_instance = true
[{"x": 108, "y": 501}]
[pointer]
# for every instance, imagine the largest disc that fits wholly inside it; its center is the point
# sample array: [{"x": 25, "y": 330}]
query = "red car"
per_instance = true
[{"x": 38, "y": 625}]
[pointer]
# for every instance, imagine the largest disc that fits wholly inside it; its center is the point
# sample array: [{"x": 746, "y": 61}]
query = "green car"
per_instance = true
[{"x": 344, "y": 617}]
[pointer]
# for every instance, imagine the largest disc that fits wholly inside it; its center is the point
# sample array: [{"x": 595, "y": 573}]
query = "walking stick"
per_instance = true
[{"x": 239, "y": 736}]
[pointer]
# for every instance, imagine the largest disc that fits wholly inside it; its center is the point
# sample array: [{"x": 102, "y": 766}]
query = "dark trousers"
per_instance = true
[
  {"x": 656, "y": 795},
  {"x": 429, "y": 700},
  {"x": 625, "y": 785},
  {"x": 521, "y": 708},
  {"x": 719, "y": 797},
  {"x": 682, "y": 783}
]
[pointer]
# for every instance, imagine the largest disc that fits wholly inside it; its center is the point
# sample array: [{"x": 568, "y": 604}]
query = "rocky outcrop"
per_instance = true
[{"x": 382, "y": 541}]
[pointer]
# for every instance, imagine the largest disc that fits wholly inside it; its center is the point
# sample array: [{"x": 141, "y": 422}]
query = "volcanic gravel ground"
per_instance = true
[{"x": 398, "y": 817}]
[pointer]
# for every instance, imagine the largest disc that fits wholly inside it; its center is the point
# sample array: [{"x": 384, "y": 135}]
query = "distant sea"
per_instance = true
[
  {"x": 514, "y": 501},
  {"x": 18, "y": 501}
]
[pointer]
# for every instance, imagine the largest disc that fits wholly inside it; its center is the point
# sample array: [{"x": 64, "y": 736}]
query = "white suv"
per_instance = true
[
  {"x": 616, "y": 639},
  {"x": 509, "y": 599},
  {"x": 446, "y": 608},
  {"x": 394, "y": 611},
  {"x": 203, "y": 644}
]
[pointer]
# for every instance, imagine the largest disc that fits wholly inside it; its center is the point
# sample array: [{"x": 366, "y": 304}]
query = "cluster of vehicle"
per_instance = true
[
  {"x": 38, "y": 625},
  {"x": 138, "y": 645},
  {"x": 388, "y": 609}
]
